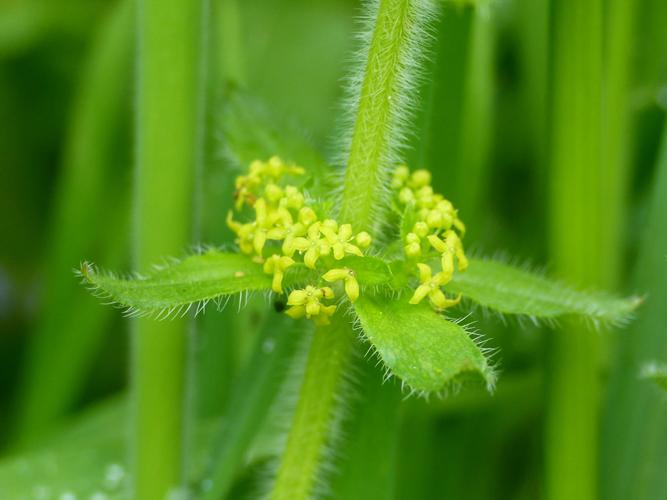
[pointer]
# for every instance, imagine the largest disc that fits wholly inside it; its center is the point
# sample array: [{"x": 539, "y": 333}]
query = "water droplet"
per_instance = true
[
  {"x": 113, "y": 475},
  {"x": 177, "y": 494},
  {"x": 662, "y": 97},
  {"x": 40, "y": 493},
  {"x": 268, "y": 345}
]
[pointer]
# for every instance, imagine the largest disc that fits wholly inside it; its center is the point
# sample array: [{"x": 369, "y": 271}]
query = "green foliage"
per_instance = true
[
  {"x": 198, "y": 278},
  {"x": 634, "y": 456},
  {"x": 428, "y": 352},
  {"x": 511, "y": 290},
  {"x": 86, "y": 458},
  {"x": 246, "y": 396},
  {"x": 656, "y": 372}
]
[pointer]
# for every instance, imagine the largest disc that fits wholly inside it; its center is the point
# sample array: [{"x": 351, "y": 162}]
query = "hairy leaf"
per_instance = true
[
  {"x": 514, "y": 291},
  {"x": 426, "y": 351},
  {"x": 369, "y": 270},
  {"x": 198, "y": 278}
]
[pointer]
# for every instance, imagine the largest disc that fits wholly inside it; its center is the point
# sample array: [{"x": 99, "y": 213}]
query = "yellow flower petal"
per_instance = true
[
  {"x": 424, "y": 272},
  {"x": 297, "y": 298},
  {"x": 421, "y": 292},
  {"x": 335, "y": 275},
  {"x": 352, "y": 288},
  {"x": 296, "y": 312},
  {"x": 363, "y": 239}
]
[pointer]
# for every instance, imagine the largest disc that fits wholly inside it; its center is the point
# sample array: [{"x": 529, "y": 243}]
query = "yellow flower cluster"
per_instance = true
[
  {"x": 437, "y": 227},
  {"x": 282, "y": 215}
]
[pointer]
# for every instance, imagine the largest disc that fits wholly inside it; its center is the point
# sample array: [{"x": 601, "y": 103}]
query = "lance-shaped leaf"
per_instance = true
[
  {"x": 510, "y": 290},
  {"x": 196, "y": 279},
  {"x": 422, "y": 348}
]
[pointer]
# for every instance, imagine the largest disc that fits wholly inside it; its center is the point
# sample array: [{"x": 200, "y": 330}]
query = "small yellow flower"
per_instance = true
[
  {"x": 273, "y": 192},
  {"x": 290, "y": 234},
  {"x": 406, "y": 195},
  {"x": 430, "y": 287},
  {"x": 276, "y": 265},
  {"x": 425, "y": 197},
  {"x": 363, "y": 239},
  {"x": 420, "y": 178},
  {"x": 413, "y": 247},
  {"x": 314, "y": 245},
  {"x": 308, "y": 302},
  {"x": 276, "y": 168},
  {"x": 449, "y": 248},
  {"x": 292, "y": 198},
  {"x": 401, "y": 175},
  {"x": 340, "y": 240},
  {"x": 350, "y": 279},
  {"x": 307, "y": 216},
  {"x": 421, "y": 229}
]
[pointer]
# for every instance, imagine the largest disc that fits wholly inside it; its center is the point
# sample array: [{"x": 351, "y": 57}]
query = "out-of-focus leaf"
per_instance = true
[
  {"x": 196, "y": 279},
  {"x": 254, "y": 393},
  {"x": 89, "y": 217},
  {"x": 634, "y": 455},
  {"x": 87, "y": 458},
  {"x": 656, "y": 372},
  {"x": 426, "y": 351},
  {"x": 511, "y": 290},
  {"x": 252, "y": 132}
]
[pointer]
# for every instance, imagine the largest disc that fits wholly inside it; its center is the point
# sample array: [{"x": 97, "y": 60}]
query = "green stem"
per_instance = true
[
  {"x": 586, "y": 202},
  {"x": 311, "y": 426},
  {"x": 383, "y": 104},
  {"x": 170, "y": 38}
]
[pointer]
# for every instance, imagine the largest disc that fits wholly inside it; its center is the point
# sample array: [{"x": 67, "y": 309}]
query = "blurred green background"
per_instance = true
[{"x": 543, "y": 121}]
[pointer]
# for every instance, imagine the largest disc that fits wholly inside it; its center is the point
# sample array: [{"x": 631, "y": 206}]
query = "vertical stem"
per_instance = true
[
  {"x": 383, "y": 105},
  {"x": 168, "y": 130},
  {"x": 311, "y": 426},
  {"x": 382, "y": 101},
  {"x": 585, "y": 201}
]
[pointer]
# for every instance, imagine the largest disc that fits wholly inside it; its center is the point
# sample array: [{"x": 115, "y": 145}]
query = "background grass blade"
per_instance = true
[
  {"x": 168, "y": 136},
  {"x": 585, "y": 203},
  {"x": 253, "y": 394},
  {"x": 634, "y": 455},
  {"x": 71, "y": 327}
]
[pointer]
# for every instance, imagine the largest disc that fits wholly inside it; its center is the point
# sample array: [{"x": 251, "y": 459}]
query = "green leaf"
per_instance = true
[
  {"x": 252, "y": 132},
  {"x": 656, "y": 372},
  {"x": 170, "y": 290},
  {"x": 85, "y": 459},
  {"x": 514, "y": 291},
  {"x": 426, "y": 351},
  {"x": 369, "y": 270}
]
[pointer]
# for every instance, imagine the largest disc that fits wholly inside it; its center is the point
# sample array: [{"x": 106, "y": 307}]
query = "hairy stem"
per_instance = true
[
  {"x": 311, "y": 426},
  {"x": 168, "y": 130},
  {"x": 381, "y": 107},
  {"x": 383, "y": 104}
]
